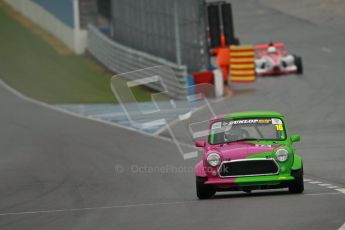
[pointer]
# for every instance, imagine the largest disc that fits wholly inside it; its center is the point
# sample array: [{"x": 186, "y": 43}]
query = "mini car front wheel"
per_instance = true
[
  {"x": 297, "y": 185},
  {"x": 204, "y": 191}
]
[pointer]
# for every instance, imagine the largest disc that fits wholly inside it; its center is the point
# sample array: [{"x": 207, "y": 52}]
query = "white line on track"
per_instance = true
[
  {"x": 324, "y": 185},
  {"x": 332, "y": 187},
  {"x": 342, "y": 227},
  {"x": 342, "y": 190},
  {"x": 128, "y": 206},
  {"x": 97, "y": 208},
  {"x": 322, "y": 194},
  {"x": 315, "y": 182}
]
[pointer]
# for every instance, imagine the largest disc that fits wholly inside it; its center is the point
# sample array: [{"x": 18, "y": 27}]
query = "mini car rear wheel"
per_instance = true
[
  {"x": 297, "y": 185},
  {"x": 204, "y": 191},
  {"x": 299, "y": 64}
]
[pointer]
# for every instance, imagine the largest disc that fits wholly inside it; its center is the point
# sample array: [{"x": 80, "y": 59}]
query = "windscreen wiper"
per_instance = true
[{"x": 245, "y": 139}]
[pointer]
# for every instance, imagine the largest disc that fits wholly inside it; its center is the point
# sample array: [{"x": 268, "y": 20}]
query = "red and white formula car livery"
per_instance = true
[{"x": 273, "y": 59}]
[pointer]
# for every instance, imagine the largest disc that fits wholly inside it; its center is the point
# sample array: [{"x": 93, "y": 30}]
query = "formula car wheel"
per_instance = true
[
  {"x": 299, "y": 64},
  {"x": 204, "y": 191},
  {"x": 297, "y": 185}
]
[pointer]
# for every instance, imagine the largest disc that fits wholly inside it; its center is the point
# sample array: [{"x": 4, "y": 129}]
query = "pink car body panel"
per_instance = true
[{"x": 231, "y": 151}]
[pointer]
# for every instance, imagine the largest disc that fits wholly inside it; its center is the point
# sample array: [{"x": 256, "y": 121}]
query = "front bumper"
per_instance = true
[{"x": 272, "y": 181}]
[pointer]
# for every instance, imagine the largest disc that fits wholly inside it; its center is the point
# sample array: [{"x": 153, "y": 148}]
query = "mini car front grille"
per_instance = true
[{"x": 248, "y": 167}]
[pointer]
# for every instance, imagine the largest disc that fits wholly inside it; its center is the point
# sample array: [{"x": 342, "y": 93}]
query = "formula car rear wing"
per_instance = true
[{"x": 265, "y": 46}]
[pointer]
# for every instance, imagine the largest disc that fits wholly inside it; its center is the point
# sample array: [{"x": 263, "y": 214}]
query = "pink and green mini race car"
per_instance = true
[{"x": 248, "y": 151}]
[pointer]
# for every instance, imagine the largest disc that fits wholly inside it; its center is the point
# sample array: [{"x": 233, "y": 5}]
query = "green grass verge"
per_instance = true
[{"x": 34, "y": 68}]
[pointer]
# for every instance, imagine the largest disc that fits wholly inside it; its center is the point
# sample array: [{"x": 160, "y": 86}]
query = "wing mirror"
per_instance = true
[
  {"x": 200, "y": 143},
  {"x": 295, "y": 138}
]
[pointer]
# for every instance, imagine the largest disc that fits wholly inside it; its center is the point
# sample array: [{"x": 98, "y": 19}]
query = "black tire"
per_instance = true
[
  {"x": 297, "y": 185},
  {"x": 247, "y": 190},
  {"x": 204, "y": 191},
  {"x": 299, "y": 64}
]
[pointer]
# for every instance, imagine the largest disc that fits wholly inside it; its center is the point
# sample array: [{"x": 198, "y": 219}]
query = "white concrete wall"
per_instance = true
[{"x": 74, "y": 38}]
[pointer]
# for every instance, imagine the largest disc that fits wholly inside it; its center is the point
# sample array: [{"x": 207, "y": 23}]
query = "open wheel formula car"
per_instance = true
[{"x": 273, "y": 59}]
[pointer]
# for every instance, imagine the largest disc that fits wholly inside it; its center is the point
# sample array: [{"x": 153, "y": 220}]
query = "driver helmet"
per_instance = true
[{"x": 271, "y": 49}]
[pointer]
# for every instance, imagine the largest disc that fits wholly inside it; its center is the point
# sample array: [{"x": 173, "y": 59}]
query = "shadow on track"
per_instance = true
[{"x": 251, "y": 194}]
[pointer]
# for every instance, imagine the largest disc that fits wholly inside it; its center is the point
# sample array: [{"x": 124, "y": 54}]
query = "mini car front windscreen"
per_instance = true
[{"x": 226, "y": 131}]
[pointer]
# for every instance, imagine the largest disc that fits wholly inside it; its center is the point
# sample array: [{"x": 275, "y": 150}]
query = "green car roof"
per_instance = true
[{"x": 250, "y": 114}]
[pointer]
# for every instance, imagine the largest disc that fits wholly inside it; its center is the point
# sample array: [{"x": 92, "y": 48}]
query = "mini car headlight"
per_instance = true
[
  {"x": 282, "y": 155},
  {"x": 213, "y": 159}
]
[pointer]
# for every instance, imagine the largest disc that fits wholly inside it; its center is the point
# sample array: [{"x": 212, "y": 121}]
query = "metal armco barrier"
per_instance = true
[
  {"x": 121, "y": 59},
  {"x": 242, "y": 64}
]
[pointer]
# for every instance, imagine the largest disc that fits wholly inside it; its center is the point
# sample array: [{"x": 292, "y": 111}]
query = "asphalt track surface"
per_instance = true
[{"x": 62, "y": 172}]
